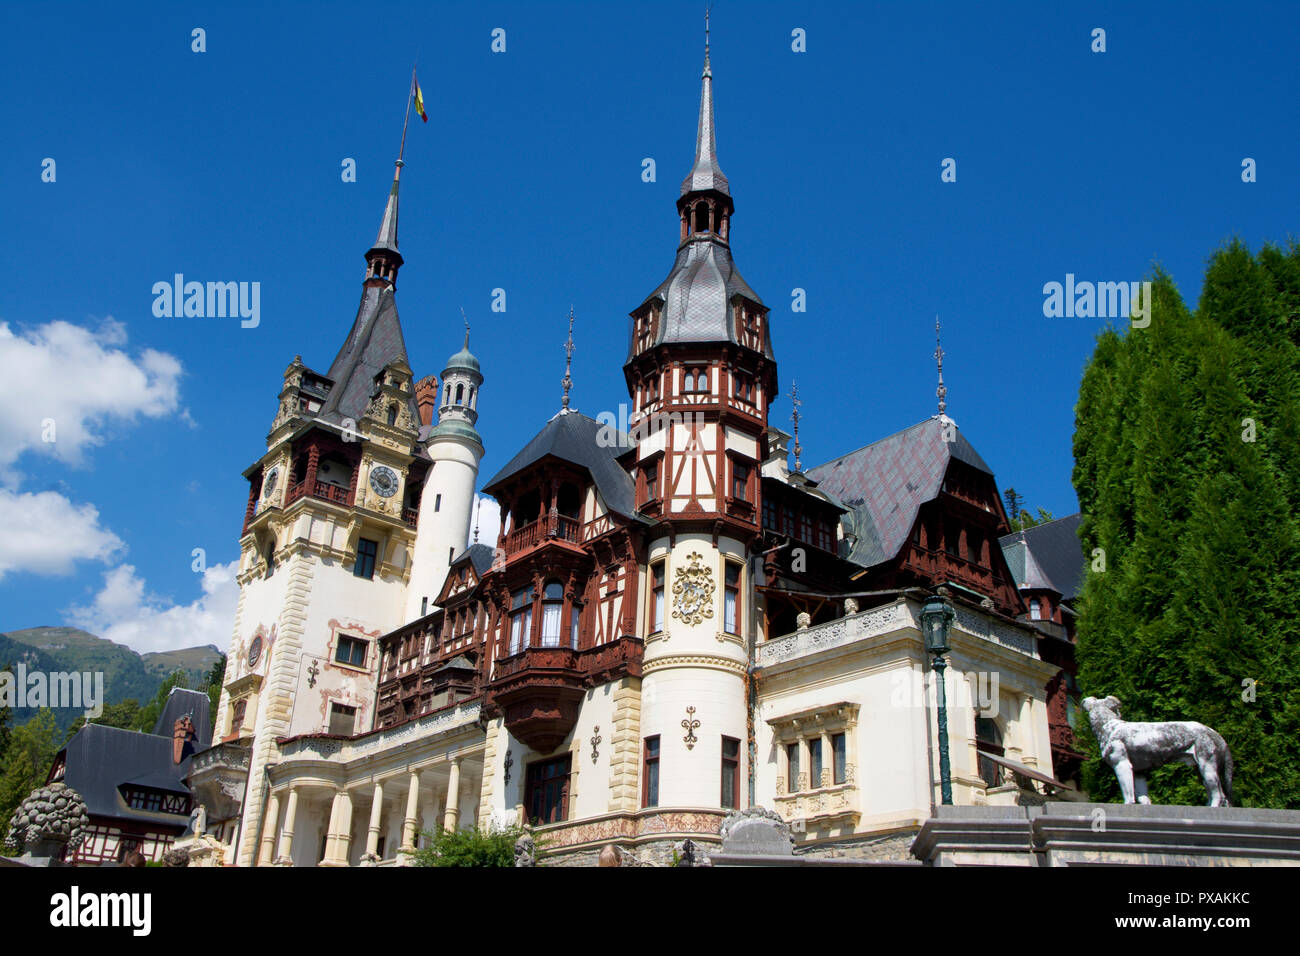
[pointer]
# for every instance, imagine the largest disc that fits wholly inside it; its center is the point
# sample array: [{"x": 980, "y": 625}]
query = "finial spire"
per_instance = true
[
  {"x": 942, "y": 390},
  {"x": 567, "y": 381},
  {"x": 796, "y": 402},
  {"x": 707, "y": 9},
  {"x": 466, "y": 319},
  {"x": 478, "y": 508}
]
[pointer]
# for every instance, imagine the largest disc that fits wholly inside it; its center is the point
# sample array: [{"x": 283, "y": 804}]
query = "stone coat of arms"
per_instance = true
[{"x": 693, "y": 592}]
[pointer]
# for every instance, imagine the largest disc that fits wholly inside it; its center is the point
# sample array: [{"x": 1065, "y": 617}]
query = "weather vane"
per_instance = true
[
  {"x": 794, "y": 417},
  {"x": 466, "y": 318}
]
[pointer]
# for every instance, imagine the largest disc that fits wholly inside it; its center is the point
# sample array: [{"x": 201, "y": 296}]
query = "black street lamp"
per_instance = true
[{"x": 935, "y": 618}]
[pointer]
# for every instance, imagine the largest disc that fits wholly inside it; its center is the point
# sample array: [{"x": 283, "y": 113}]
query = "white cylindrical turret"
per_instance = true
[{"x": 447, "y": 501}]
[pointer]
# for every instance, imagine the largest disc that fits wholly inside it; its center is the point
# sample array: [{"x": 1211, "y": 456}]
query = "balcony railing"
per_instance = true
[
  {"x": 318, "y": 489},
  {"x": 411, "y": 516},
  {"x": 551, "y": 526},
  {"x": 592, "y": 662}
]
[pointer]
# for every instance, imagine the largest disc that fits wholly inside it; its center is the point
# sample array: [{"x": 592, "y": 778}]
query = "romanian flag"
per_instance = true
[{"x": 419, "y": 99}]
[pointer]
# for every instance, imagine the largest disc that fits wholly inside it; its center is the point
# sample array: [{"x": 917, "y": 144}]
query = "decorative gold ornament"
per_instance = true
[{"x": 693, "y": 592}]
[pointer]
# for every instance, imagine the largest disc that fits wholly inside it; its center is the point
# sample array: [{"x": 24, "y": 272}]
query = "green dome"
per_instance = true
[{"x": 464, "y": 359}]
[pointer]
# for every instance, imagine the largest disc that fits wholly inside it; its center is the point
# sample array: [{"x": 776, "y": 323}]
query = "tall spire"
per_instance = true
[
  {"x": 387, "y": 237},
  {"x": 466, "y": 320},
  {"x": 706, "y": 174},
  {"x": 567, "y": 381},
  {"x": 942, "y": 390}
]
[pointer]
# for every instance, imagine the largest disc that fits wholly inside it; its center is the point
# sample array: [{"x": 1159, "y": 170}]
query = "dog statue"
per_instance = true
[{"x": 1133, "y": 749}]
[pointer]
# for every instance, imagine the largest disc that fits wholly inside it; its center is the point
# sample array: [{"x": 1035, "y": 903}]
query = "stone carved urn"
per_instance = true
[{"x": 51, "y": 822}]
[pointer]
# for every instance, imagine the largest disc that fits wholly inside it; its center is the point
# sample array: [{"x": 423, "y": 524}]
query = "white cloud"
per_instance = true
[
  {"x": 81, "y": 381},
  {"x": 44, "y": 533},
  {"x": 126, "y": 613},
  {"x": 488, "y": 514}
]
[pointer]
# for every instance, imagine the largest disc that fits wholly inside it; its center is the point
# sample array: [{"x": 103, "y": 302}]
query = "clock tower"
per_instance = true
[
  {"x": 700, "y": 372},
  {"x": 327, "y": 541}
]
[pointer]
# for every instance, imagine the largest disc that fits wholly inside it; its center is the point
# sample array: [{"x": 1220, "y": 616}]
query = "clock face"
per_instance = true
[
  {"x": 255, "y": 652},
  {"x": 384, "y": 480}
]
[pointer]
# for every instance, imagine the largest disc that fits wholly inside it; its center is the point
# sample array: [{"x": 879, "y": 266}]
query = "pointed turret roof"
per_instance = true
[
  {"x": 706, "y": 173},
  {"x": 386, "y": 240}
]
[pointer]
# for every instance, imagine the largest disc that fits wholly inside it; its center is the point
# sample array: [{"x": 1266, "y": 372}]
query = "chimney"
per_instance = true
[
  {"x": 426, "y": 398},
  {"x": 182, "y": 734}
]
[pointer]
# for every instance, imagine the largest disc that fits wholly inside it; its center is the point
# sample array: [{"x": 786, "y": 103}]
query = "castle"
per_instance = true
[{"x": 673, "y": 624}]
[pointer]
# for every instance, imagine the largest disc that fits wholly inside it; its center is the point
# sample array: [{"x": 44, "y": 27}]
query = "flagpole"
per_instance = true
[{"x": 410, "y": 95}]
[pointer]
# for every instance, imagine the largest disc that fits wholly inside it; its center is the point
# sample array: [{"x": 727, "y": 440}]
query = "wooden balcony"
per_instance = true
[
  {"x": 318, "y": 489},
  {"x": 551, "y": 527},
  {"x": 539, "y": 689}
]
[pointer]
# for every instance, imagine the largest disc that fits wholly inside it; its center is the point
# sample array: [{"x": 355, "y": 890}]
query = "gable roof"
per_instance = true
[
  {"x": 573, "y": 437},
  {"x": 374, "y": 341},
  {"x": 885, "y": 483},
  {"x": 1047, "y": 556},
  {"x": 99, "y": 759},
  {"x": 480, "y": 557}
]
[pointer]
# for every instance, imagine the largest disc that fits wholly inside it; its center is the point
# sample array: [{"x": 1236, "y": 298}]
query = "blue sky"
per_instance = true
[{"x": 225, "y": 165}]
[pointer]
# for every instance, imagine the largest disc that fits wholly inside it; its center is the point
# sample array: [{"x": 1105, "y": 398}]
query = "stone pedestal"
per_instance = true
[{"x": 1071, "y": 834}]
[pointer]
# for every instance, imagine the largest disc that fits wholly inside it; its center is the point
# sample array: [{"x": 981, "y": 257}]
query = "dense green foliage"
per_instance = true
[
  {"x": 1187, "y": 468},
  {"x": 474, "y": 847},
  {"x": 25, "y": 762}
]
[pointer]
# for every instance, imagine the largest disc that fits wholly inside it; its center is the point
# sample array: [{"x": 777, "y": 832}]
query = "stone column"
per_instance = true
[
  {"x": 284, "y": 854},
  {"x": 828, "y": 760},
  {"x": 376, "y": 811},
  {"x": 411, "y": 826},
  {"x": 343, "y": 844},
  {"x": 1025, "y": 731},
  {"x": 452, "y": 816},
  {"x": 331, "y": 832},
  {"x": 268, "y": 830}
]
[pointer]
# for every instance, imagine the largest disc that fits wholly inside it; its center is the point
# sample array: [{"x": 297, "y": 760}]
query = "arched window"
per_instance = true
[
  {"x": 552, "y": 606},
  {"x": 988, "y": 739},
  {"x": 701, "y": 217},
  {"x": 471, "y": 396},
  {"x": 447, "y": 396},
  {"x": 460, "y": 394},
  {"x": 521, "y": 619},
  {"x": 392, "y": 414}
]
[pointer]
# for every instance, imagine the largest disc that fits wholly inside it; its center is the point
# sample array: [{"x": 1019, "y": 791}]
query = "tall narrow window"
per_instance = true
[
  {"x": 731, "y": 598},
  {"x": 237, "y": 720},
  {"x": 1036, "y": 610},
  {"x": 652, "y": 481},
  {"x": 739, "y": 480},
  {"x": 650, "y": 776},
  {"x": 575, "y": 614},
  {"x": 546, "y": 790},
  {"x": 814, "y": 763},
  {"x": 988, "y": 739},
  {"x": 437, "y": 502},
  {"x": 521, "y": 619},
  {"x": 367, "y": 551},
  {"x": 840, "y": 757},
  {"x": 552, "y": 605},
  {"x": 792, "y": 765},
  {"x": 270, "y": 559},
  {"x": 730, "y": 773},
  {"x": 656, "y": 597}
]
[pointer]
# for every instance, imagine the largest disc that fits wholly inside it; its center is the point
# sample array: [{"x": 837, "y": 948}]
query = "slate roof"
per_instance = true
[
  {"x": 697, "y": 294},
  {"x": 480, "y": 556},
  {"x": 885, "y": 483},
  {"x": 99, "y": 759},
  {"x": 374, "y": 341},
  {"x": 573, "y": 437},
  {"x": 1047, "y": 556}
]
